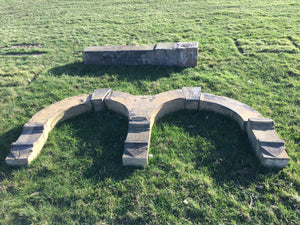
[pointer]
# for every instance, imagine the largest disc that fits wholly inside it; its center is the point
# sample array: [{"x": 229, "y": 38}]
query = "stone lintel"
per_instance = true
[
  {"x": 182, "y": 54},
  {"x": 98, "y": 97}
]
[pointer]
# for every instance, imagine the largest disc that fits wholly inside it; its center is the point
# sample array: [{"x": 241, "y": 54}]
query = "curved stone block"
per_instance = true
[
  {"x": 35, "y": 131},
  {"x": 116, "y": 101},
  {"x": 238, "y": 111}
]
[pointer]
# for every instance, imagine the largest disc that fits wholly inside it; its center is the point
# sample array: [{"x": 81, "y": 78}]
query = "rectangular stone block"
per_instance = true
[
  {"x": 135, "y": 154},
  {"x": 98, "y": 97},
  {"x": 192, "y": 97},
  {"x": 266, "y": 143},
  {"x": 182, "y": 54}
]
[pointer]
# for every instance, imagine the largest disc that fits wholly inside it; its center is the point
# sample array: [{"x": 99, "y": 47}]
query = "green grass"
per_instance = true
[{"x": 203, "y": 169}]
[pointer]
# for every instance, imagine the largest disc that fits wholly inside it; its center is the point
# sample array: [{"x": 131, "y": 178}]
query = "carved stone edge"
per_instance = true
[
  {"x": 35, "y": 132},
  {"x": 270, "y": 151}
]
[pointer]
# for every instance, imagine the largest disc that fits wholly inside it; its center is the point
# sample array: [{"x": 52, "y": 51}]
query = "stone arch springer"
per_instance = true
[{"x": 142, "y": 112}]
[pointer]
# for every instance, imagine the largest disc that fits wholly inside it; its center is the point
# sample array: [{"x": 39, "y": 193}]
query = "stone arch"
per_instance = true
[{"x": 142, "y": 112}]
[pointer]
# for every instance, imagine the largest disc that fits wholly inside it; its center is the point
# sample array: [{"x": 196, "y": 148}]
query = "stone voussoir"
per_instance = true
[
  {"x": 35, "y": 131},
  {"x": 238, "y": 111},
  {"x": 98, "y": 97},
  {"x": 192, "y": 97}
]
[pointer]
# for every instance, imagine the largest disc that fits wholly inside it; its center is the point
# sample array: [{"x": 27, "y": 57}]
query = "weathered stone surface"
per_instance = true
[
  {"x": 187, "y": 58},
  {"x": 116, "y": 101},
  {"x": 192, "y": 97},
  {"x": 136, "y": 135},
  {"x": 238, "y": 111},
  {"x": 135, "y": 154},
  {"x": 142, "y": 112},
  {"x": 35, "y": 131},
  {"x": 98, "y": 97},
  {"x": 266, "y": 143},
  {"x": 166, "y": 103},
  {"x": 182, "y": 54}
]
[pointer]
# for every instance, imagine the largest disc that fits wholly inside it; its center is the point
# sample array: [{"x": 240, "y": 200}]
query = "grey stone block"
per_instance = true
[
  {"x": 98, "y": 97},
  {"x": 135, "y": 154},
  {"x": 182, "y": 54},
  {"x": 136, "y": 135},
  {"x": 192, "y": 97},
  {"x": 142, "y": 112},
  {"x": 266, "y": 143}
]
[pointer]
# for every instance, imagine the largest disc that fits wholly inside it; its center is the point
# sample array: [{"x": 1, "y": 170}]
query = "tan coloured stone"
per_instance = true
[
  {"x": 238, "y": 111},
  {"x": 142, "y": 112},
  {"x": 266, "y": 143},
  {"x": 192, "y": 97},
  {"x": 116, "y": 101},
  {"x": 35, "y": 131}
]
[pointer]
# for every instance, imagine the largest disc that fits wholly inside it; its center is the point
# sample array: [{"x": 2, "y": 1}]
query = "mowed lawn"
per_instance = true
[{"x": 203, "y": 170}]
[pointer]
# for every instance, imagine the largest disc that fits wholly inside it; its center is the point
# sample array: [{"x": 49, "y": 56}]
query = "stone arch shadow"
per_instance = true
[
  {"x": 211, "y": 142},
  {"x": 123, "y": 72},
  {"x": 142, "y": 112}
]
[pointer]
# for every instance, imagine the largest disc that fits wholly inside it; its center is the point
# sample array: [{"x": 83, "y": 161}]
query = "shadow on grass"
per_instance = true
[
  {"x": 92, "y": 146},
  {"x": 97, "y": 151},
  {"x": 223, "y": 149},
  {"x": 129, "y": 73}
]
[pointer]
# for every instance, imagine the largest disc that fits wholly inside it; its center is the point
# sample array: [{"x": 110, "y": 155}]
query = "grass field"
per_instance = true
[{"x": 203, "y": 169}]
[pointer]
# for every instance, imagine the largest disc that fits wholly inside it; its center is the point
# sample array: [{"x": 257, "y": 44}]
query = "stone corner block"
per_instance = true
[
  {"x": 98, "y": 97},
  {"x": 135, "y": 154},
  {"x": 266, "y": 143},
  {"x": 187, "y": 54}
]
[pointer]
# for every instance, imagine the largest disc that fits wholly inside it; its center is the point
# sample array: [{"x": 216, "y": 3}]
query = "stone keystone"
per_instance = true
[{"x": 142, "y": 112}]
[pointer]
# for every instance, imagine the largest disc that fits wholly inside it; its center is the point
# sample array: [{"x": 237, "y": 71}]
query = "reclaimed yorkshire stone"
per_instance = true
[
  {"x": 116, "y": 102},
  {"x": 238, "y": 111},
  {"x": 192, "y": 97},
  {"x": 181, "y": 54},
  {"x": 98, "y": 97},
  {"x": 266, "y": 143},
  {"x": 35, "y": 131},
  {"x": 142, "y": 112}
]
